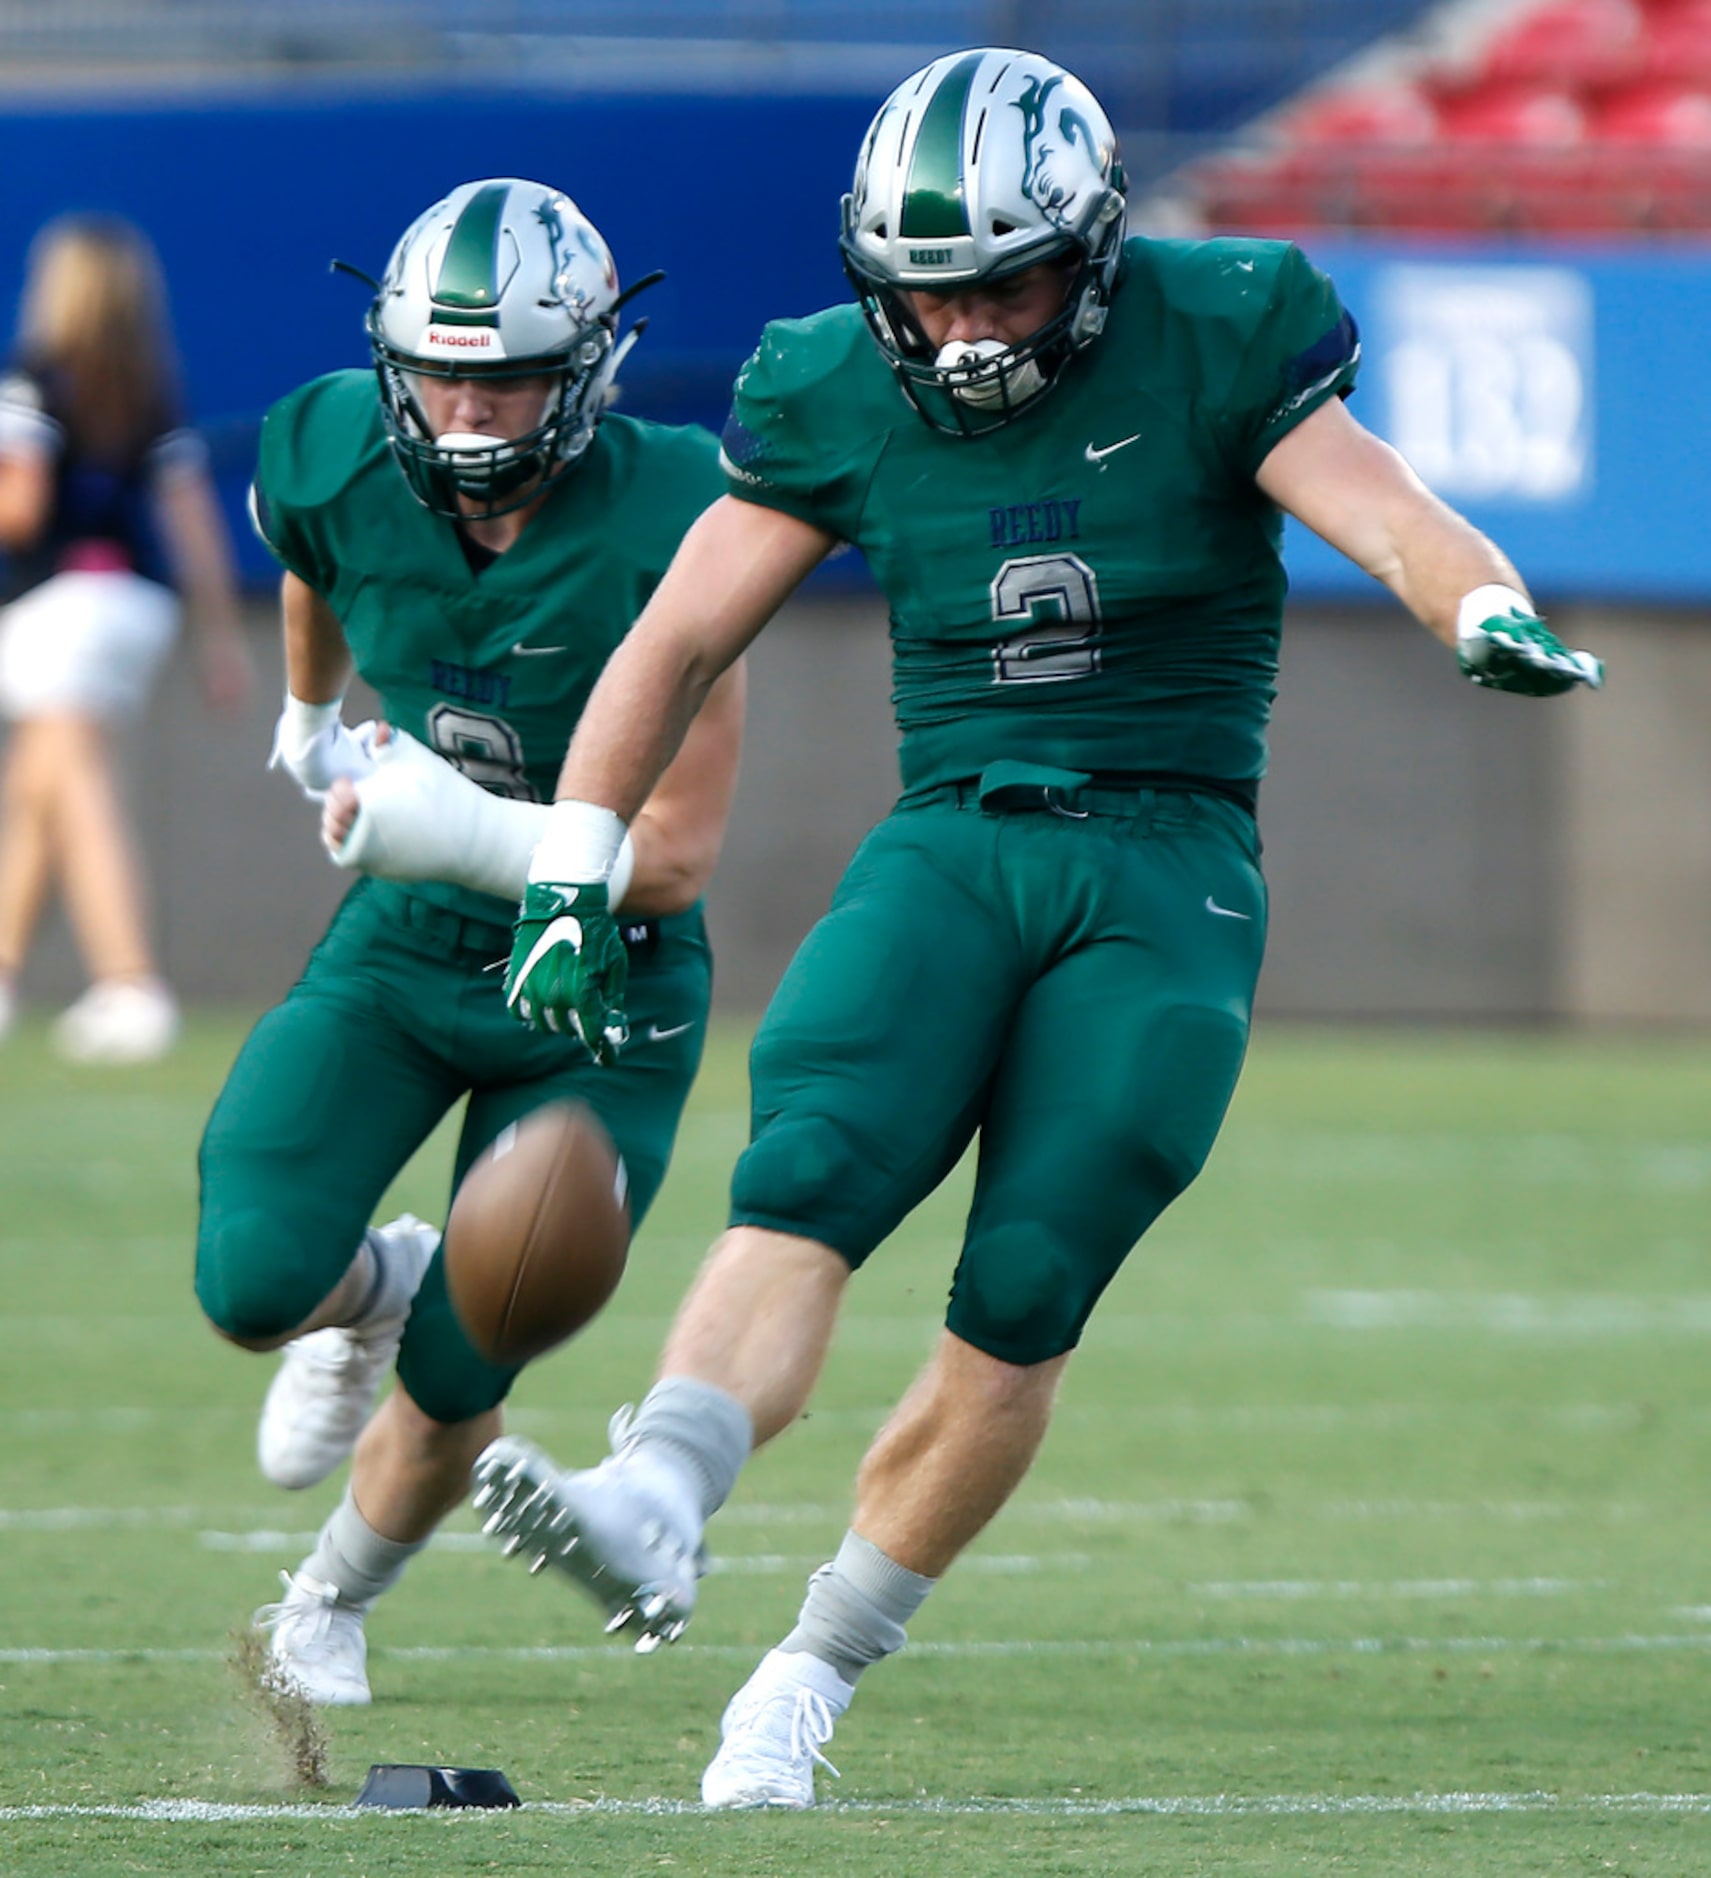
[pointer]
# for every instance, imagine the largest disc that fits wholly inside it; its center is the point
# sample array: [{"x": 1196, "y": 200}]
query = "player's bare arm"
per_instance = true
[
  {"x": 1356, "y": 492},
  {"x": 1360, "y": 495},
  {"x": 318, "y": 663},
  {"x": 311, "y": 742},
  {"x": 680, "y": 829},
  {"x": 736, "y": 567}
]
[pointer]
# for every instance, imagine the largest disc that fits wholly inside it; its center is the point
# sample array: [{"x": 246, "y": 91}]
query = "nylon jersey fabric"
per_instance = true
[
  {"x": 1097, "y": 584},
  {"x": 491, "y": 668}
]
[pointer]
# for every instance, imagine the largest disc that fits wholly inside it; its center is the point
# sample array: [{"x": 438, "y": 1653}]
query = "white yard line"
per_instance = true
[
  {"x": 730, "y": 1564},
  {"x": 1059, "y": 1512},
  {"x": 1285, "y": 1589},
  {"x": 1167, "y": 1806},
  {"x": 953, "y": 1649}
]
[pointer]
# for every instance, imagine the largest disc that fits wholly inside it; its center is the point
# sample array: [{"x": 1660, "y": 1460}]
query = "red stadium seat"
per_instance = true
[
  {"x": 1671, "y": 117},
  {"x": 1586, "y": 117},
  {"x": 1442, "y": 188},
  {"x": 1392, "y": 114},
  {"x": 1569, "y": 42},
  {"x": 1678, "y": 43},
  {"x": 1520, "y": 116}
]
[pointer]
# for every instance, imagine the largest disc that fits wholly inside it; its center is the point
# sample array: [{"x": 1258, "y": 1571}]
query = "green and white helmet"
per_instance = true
[
  {"x": 503, "y": 279},
  {"x": 982, "y": 164}
]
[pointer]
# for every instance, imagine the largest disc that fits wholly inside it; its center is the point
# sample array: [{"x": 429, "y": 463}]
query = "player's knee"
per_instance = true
[
  {"x": 806, "y": 1175},
  {"x": 256, "y": 1280},
  {"x": 1022, "y": 1294}
]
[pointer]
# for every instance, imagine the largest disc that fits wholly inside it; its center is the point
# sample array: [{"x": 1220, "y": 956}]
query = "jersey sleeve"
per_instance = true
[
  {"x": 285, "y": 526},
  {"x": 781, "y": 446},
  {"x": 1305, "y": 351}
]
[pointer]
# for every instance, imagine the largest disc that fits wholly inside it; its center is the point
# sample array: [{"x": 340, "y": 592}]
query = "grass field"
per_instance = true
[{"x": 1374, "y": 1535}]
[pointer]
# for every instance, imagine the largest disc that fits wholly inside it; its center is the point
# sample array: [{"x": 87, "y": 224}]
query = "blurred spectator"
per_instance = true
[{"x": 105, "y": 508}]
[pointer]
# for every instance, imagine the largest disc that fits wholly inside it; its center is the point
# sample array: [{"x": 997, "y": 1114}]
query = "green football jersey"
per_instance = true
[
  {"x": 1096, "y": 585},
  {"x": 491, "y": 669}
]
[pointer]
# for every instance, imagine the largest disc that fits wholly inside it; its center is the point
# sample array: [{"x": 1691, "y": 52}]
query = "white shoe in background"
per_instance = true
[{"x": 118, "y": 1020}]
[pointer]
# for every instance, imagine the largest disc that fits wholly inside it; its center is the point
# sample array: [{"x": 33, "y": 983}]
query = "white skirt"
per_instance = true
[{"x": 85, "y": 644}]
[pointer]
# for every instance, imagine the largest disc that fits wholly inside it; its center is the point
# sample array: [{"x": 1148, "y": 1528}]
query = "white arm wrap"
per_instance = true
[{"x": 422, "y": 819}]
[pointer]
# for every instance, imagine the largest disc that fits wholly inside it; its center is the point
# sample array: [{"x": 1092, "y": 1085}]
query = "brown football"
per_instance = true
[{"x": 538, "y": 1234}]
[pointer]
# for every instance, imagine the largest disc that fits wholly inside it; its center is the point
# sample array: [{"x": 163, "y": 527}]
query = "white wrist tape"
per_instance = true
[
  {"x": 581, "y": 843},
  {"x": 300, "y": 723},
  {"x": 1489, "y": 602}
]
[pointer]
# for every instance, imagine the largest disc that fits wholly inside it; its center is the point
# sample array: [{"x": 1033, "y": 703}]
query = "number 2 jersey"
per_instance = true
[
  {"x": 490, "y": 669},
  {"x": 1096, "y": 585}
]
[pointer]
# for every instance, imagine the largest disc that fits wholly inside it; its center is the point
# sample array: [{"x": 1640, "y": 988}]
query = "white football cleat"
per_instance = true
[
  {"x": 325, "y": 1387},
  {"x": 316, "y": 1646},
  {"x": 118, "y": 1021},
  {"x": 628, "y": 1531},
  {"x": 772, "y": 1731}
]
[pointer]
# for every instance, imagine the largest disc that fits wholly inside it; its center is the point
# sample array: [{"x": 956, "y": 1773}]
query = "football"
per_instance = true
[{"x": 538, "y": 1234}]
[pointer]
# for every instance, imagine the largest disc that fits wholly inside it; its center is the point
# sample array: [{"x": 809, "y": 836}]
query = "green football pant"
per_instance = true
[
  {"x": 1076, "y": 988},
  {"x": 398, "y": 1015}
]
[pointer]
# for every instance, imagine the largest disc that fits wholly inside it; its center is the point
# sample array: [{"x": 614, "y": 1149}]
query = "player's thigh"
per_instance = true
[
  {"x": 328, "y": 1098},
  {"x": 869, "y": 1070},
  {"x": 1114, "y": 1083},
  {"x": 639, "y": 1101}
]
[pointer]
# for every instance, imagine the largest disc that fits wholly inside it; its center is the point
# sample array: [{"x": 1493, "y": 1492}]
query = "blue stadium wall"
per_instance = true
[{"x": 1560, "y": 396}]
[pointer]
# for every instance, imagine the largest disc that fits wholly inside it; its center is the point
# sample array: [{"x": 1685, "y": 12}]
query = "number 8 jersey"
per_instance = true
[
  {"x": 1098, "y": 584},
  {"x": 490, "y": 668}
]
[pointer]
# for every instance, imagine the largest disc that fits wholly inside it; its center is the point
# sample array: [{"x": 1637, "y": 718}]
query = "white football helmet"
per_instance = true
[
  {"x": 982, "y": 164},
  {"x": 504, "y": 279}
]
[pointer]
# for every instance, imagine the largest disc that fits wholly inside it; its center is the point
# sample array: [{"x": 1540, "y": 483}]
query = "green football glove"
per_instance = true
[
  {"x": 1501, "y": 642},
  {"x": 568, "y": 967}
]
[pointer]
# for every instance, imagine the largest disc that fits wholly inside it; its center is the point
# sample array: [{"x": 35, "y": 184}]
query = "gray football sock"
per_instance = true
[
  {"x": 354, "y": 1559},
  {"x": 707, "y": 1430},
  {"x": 391, "y": 1282},
  {"x": 857, "y": 1607}
]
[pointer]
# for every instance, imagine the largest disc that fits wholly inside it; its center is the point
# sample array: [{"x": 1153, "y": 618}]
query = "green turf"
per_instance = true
[{"x": 1372, "y": 1536}]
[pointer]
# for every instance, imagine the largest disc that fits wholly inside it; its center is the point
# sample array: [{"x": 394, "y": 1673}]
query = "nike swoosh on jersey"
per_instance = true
[
  {"x": 535, "y": 652},
  {"x": 658, "y": 1035},
  {"x": 1099, "y": 456},
  {"x": 1224, "y": 912}
]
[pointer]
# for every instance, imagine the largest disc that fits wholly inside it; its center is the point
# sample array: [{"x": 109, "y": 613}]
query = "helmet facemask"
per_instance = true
[
  {"x": 967, "y": 388},
  {"x": 470, "y": 476}
]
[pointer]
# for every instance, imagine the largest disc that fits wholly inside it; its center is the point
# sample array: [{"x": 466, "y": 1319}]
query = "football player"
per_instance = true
[
  {"x": 1066, "y": 456},
  {"x": 474, "y": 542}
]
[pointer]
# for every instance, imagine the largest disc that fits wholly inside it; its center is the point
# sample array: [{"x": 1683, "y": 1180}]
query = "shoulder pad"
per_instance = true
[{"x": 314, "y": 442}]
